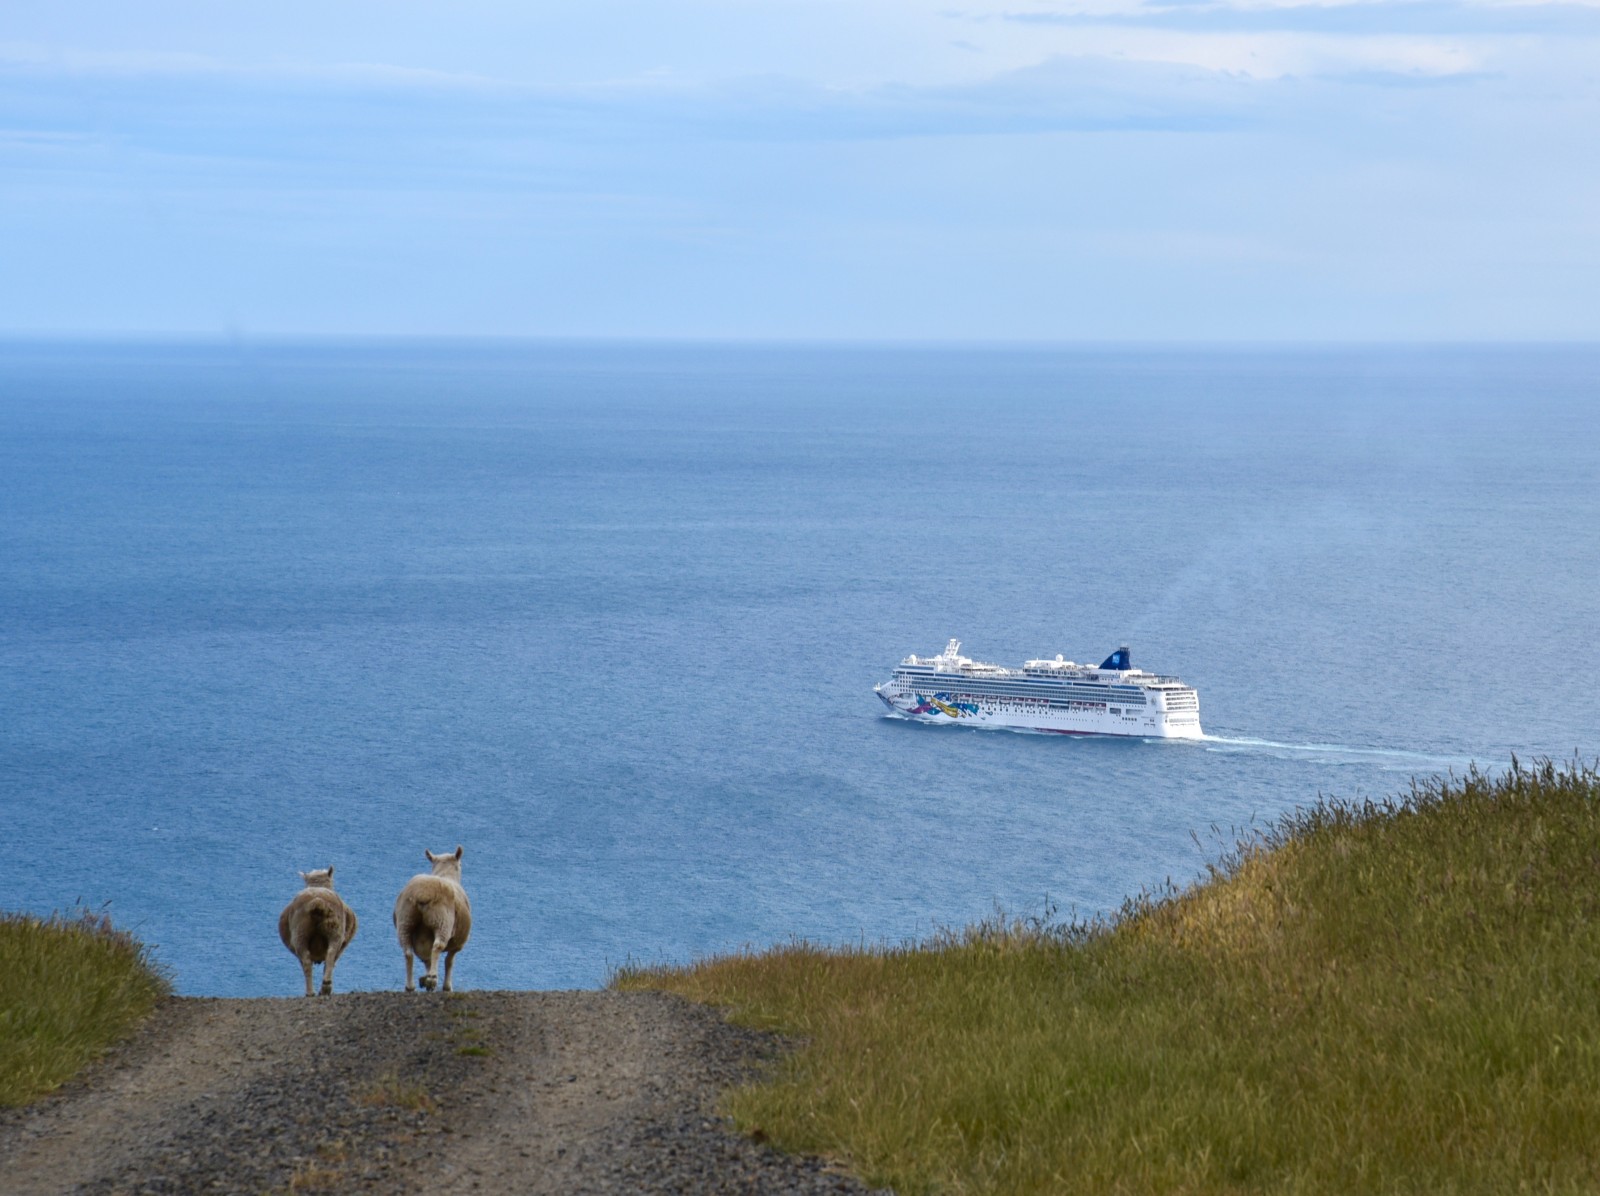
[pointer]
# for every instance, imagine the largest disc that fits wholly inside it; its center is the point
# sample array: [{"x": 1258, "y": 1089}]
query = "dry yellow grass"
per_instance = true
[{"x": 390, "y": 1089}]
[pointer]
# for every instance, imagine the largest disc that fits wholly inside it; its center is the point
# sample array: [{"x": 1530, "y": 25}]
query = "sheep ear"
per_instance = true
[
  {"x": 305, "y": 876},
  {"x": 330, "y": 871},
  {"x": 458, "y": 851},
  {"x": 429, "y": 854}
]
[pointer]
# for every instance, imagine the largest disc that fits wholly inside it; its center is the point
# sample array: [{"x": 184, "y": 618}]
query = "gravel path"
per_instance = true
[{"x": 491, "y": 1092}]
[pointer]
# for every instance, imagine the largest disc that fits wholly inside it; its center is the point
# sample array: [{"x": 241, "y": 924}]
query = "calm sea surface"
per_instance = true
[{"x": 610, "y": 616}]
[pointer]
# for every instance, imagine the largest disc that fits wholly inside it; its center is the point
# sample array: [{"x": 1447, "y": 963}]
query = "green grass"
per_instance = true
[
  {"x": 69, "y": 989},
  {"x": 1400, "y": 997},
  {"x": 468, "y": 1038}
]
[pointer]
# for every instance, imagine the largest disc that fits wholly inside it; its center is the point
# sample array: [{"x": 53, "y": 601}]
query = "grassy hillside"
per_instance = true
[
  {"x": 69, "y": 988},
  {"x": 1393, "y": 997}
]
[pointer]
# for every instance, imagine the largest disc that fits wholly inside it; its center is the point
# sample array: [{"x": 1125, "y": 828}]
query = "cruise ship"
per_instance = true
[{"x": 1055, "y": 696}]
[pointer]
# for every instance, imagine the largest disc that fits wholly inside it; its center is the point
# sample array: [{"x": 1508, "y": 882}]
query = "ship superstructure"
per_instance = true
[{"x": 1056, "y": 696}]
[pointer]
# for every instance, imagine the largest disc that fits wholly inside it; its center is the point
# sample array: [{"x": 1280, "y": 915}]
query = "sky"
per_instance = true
[{"x": 1059, "y": 171}]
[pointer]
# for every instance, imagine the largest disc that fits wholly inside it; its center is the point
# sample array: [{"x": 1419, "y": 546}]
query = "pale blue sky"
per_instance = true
[{"x": 1111, "y": 169}]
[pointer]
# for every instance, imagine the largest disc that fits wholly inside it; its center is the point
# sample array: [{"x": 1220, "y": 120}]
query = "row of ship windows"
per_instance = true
[
  {"x": 1044, "y": 694},
  {"x": 1024, "y": 705},
  {"x": 1052, "y": 675},
  {"x": 961, "y": 679},
  {"x": 1034, "y": 703},
  {"x": 948, "y": 682},
  {"x": 1027, "y": 675}
]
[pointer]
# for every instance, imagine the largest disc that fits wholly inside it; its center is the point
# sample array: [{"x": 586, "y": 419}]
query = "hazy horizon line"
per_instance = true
[{"x": 200, "y": 339}]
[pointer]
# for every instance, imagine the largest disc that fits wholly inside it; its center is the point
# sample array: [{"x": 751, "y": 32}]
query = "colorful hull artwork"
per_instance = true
[{"x": 944, "y": 704}]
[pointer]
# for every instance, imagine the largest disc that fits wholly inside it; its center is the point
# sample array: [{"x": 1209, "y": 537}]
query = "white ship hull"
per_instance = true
[{"x": 1052, "y": 697}]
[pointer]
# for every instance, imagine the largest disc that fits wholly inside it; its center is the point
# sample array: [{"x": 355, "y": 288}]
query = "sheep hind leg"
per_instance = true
[
  {"x": 305, "y": 966},
  {"x": 410, "y": 984},
  {"x": 431, "y": 979},
  {"x": 449, "y": 966},
  {"x": 334, "y": 948}
]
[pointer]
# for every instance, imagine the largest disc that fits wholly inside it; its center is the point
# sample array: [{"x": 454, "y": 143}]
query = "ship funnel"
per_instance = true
[{"x": 1118, "y": 660}]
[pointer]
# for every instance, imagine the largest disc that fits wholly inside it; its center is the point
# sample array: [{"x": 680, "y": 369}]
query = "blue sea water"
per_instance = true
[{"x": 610, "y": 617}]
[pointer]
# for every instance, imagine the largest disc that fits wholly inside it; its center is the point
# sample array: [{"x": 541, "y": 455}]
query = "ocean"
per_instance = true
[{"x": 610, "y": 615}]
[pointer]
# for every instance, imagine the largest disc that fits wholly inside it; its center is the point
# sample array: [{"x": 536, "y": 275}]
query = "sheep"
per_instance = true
[
  {"x": 432, "y": 914},
  {"x": 317, "y": 926}
]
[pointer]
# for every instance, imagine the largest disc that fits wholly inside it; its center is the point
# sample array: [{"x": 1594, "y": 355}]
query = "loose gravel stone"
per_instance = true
[{"x": 491, "y": 1092}]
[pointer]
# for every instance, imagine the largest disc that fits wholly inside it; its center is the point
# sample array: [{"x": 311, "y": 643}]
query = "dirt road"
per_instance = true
[{"x": 491, "y": 1092}]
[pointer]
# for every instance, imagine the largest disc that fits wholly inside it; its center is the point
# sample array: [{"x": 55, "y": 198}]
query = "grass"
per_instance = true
[
  {"x": 69, "y": 989},
  {"x": 324, "y": 1172},
  {"x": 468, "y": 1039},
  {"x": 1396, "y": 997},
  {"x": 389, "y": 1089}
]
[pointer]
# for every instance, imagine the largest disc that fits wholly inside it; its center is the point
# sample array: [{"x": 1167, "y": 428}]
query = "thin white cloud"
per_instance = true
[
  {"x": 1247, "y": 54},
  {"x": 44, "y": 137},
  {"x": 71, "y": 60},
  {"x": 132, "y": 64},
  {"x": 1378, "y": 17},
  {"x": 1277, "y": 55}
]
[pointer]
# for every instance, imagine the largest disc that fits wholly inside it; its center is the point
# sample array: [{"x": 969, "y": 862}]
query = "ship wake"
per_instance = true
[{"x": 1397, "y": 759}]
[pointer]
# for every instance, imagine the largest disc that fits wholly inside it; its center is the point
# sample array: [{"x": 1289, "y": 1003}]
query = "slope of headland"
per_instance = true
[{"x": 1400, "y": 996}]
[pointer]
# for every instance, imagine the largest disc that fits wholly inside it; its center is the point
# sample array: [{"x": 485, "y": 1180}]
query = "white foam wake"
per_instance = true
[{"x": 1335, "y": 753}]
